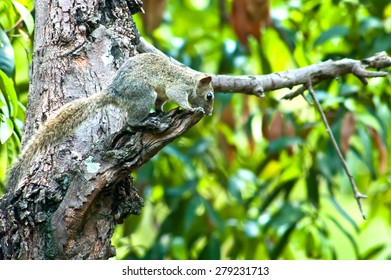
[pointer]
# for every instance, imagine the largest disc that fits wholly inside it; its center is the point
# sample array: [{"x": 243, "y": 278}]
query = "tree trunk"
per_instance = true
[{"x": 75, "y": 193}]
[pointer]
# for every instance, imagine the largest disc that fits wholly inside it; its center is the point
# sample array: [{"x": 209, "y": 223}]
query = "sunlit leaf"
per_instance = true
[
  {"x": 347, "y": 234},
  {"x": 213, "y": 216},
  {"x": 281, "y": 244},
  {"x": 284, "y": 222},
  {"x": 178, "y": 248},
  {"x": 272, "y": 196},
  {"x": 26, "y": 16},
  {"x": 367, "y": 152},
  {"x": 238, "y": 182},
  {"x": 287, "y": 215},
  {"x": 313, "y": 242},
  {"x": 8, "y": 90},
  {"x": 287, "y": 36},
  {"x": 6, "y": 129},
  {"x": 283, "y": 143},
  {"x": 344, "y": 214},
  {"x": 369, "y": 24},
  {"x": 369, "y": 120},
  {"x": 371, "y": 253},
  {"x": 338, "y": 31},
  {"x": 235, "y": 187},
  {"x": 7, "y": 60}
]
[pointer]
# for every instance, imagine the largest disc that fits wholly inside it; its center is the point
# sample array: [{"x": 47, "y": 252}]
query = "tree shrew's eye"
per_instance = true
[{"x": 209, "y": 96}]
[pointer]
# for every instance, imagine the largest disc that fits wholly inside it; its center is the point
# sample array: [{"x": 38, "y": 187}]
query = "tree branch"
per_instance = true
[
  {"x": 103, "y": 173},
  {"x": 290, "y": 78},
  {"x": 358, "y": 196},
  {"x": 259, "y": 84}
]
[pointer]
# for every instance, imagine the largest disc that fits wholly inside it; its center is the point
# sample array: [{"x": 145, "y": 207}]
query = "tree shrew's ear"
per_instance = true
[{"x": 205, "y": 80}]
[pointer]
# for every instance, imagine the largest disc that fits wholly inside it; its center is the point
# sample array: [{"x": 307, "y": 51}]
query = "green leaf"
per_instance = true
[
  {"x": 347, "y": 234},
  {"x": 272, "y": 196},
  {"x": 238, "y": 181},
  {"x": 6, "y": 129},
  {"x": 372, "y": 252},
  {"x": 176, "y": 153},
  {"x": 7, "y": 57},
  {"x": 347, "y": 90},
  {"x": 283, "y": 143},
  {"x": 158, "y": 250},
  {"x": 369, "y": 24},
  {"x": 213, "y": 216},
  {"x": 287, "y": 36},
  {"x": 190, "y": 213},
  {"x": 367, "y": 155},
  {"x": 212, "y": 249},
  {"x": 333, "y": 32},
  {"x": 178, "y": 248},
  {"x": 179, "y": 191},
  {"x": 199, "y": 147},
  {"x": 289, "y": 213},
  {"x": 382, "y": 43},
  {"x": 8, "y": 90},
  {"x": 280, "y": 246},
  {"x": 369, "y": 121},
  {"x": 284, "y": 222},
  {"x": 312, "y": 241},
  {"x": 313, "y": 186},
  {"x": 26, "y": 16},
  {"x": 344, "y": 214}
]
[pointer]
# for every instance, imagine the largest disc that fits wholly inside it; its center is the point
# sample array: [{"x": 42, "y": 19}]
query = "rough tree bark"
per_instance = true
[{"x": 78, "y": 191}]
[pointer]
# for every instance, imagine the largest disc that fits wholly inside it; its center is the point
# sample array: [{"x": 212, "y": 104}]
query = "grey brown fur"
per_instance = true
[{"x": 141, "y": 82}]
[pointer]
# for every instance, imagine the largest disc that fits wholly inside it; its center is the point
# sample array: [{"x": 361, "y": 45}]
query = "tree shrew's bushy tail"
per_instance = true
[{"x": 58, "y": 126}]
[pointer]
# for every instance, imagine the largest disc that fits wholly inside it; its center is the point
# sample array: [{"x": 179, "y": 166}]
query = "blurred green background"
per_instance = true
[{"x": 259, "y": 179}]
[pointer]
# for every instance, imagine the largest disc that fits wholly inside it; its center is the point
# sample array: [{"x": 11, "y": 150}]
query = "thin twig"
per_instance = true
[
  {"x": 295, "y": 93},
  {"x": 357, "y": 194}
]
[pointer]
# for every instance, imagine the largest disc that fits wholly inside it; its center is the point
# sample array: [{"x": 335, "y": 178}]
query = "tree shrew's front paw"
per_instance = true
[{"x": 197, "y": 110}]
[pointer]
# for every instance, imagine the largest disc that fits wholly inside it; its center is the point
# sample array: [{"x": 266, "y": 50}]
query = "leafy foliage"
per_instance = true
[
  {"x": 16, "y": 31},
  {"x": 259, "y": 179}
]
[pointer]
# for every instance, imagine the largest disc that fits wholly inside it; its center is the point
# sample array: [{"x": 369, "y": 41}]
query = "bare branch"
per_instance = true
[
  {"x": 357, "y": 194},
  {"x": 290, "y": 78},
  {"x": 379, "y": 60},
  {"x": 296, "y": 93}
]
